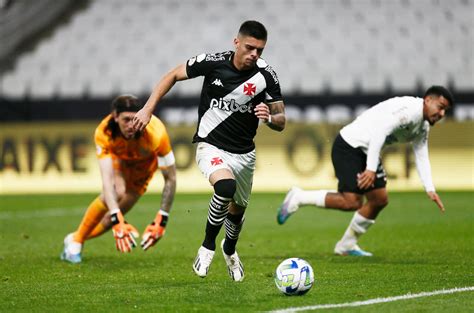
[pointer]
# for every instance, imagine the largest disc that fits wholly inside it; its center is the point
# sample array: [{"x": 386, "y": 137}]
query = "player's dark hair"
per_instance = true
[
  {"x": 440, "y": 91},
  {"x": 253, "y": 29},
  {"x": 123, "y": 103},
  {"x": 126, "y": 103}
]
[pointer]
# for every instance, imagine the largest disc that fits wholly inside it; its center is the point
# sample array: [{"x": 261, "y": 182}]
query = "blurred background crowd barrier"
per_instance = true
[
  {"x": 60, "y": 157},
  {"x": 62, "y": 62}
]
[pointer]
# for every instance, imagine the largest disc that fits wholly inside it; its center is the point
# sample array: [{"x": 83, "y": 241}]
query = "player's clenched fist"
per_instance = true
[
  {"x": 124, "y": 233},
  {"x": 155, "y": 230}
]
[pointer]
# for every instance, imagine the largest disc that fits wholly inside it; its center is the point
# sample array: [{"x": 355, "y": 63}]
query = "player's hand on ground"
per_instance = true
[
  {"x": 154, "y": 231},
  {"x": 262, "y": 111},
  {"x": 141, "y": 119},
  {"x": 152, "y": 235},
  {"x": 365, "y": 179},
  {"x": 434, "y": 197},
  {"x": 124, "y": 233}
]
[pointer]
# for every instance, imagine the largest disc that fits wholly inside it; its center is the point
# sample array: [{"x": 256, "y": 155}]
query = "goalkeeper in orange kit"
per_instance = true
[{"x": 127, "y": 161}]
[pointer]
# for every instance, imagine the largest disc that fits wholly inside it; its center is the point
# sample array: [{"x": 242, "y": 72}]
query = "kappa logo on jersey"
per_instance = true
[
  {"x": 217, "y": 82},
  {"x": 250, "y": 89},
  {"x": 216, "y": 161},
  {"x": 230, "y": 105}
]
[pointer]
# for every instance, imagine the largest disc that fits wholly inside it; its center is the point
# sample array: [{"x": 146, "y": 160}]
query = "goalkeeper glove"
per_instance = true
[
  {"x": 155, "y": 230},
  {"x": 124, "y": 233}
]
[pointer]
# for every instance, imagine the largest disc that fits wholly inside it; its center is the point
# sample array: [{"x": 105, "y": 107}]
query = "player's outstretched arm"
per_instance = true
[
  {"x": 434, "y": 197},
  {"x": 142, "y": 118},
  {"x": 156, "y": 230},
  {"x": 123, "y": 232}
]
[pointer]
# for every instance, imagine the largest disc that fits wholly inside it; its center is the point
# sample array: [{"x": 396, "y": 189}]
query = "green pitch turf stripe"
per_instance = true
[
  {"x": 374, "y": 301},
  {"x": 43, "y": 213}
]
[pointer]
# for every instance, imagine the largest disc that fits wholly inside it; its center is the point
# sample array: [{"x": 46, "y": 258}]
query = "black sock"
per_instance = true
[
  {"x": 211, "y": 233},
  {"x": 233, "y": 226},
  {"x": 218, "y": 208}
]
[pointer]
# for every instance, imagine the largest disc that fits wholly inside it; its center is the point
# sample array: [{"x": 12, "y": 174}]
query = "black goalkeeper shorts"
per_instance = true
[{"x": 348, "y": 162}]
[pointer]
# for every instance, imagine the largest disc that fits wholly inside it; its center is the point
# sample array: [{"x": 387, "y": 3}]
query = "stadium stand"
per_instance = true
[
  {"x": 322, "y": 46},
  {"x": 19, "y": 19}
]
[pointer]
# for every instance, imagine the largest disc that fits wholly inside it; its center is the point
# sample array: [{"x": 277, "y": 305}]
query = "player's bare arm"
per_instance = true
[
  {"x": 435, "y": 197},
  {"x": 273, "y": 114},
  {"x": 124, "y": 233},
  {"x": 169, "y": 189},
  {"x": 142, "y": 118},
  {"x": 156, "y": 230},
  {"x": 108, "y": 191}
]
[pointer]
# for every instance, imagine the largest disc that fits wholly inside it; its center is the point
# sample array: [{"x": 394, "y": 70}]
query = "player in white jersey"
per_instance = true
[
  {"x": 239, "y": 89},
  {"x": 356, "y": 160}
]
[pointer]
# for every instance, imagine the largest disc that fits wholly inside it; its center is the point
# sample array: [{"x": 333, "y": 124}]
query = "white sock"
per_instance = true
[
  {"x": 358, "y": 226},
  {"x": 73, "y": 247},
  {"x": 312, "y": 197}
]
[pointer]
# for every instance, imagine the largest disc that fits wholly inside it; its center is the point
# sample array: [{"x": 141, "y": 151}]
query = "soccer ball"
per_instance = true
[{"x": 294, "y": 277}]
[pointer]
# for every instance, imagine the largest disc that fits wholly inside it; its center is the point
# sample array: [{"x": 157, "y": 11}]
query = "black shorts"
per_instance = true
[{"x": 348, "y": 162}]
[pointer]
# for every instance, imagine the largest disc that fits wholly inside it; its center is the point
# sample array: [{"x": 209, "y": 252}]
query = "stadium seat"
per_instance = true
[{"x": 318, "y": 46}]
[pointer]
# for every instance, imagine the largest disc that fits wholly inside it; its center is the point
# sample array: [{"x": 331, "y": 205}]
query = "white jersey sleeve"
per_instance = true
[
  {"x": 422, "y": 161},
  {"x": 394, "y": 120},
  {"x": 377, "y": 140}
]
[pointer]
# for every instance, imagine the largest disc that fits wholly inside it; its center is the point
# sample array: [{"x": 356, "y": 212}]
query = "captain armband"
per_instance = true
[{"x": 166, "y": 160}]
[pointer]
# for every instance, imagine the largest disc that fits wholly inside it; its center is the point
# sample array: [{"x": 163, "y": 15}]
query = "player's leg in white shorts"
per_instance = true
[
  {"x": 244, "y": 167},
  {"x": 209, "y": 160}
]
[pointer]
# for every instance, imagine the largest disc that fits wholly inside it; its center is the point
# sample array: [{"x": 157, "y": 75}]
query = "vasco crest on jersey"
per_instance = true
[{"x": 249, "y": 89}]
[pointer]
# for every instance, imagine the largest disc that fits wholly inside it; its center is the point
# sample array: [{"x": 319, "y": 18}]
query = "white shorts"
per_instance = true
[{"x": 210, "y": 159}]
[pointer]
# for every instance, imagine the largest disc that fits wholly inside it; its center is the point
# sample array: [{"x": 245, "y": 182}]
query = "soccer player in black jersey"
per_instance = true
[{"x": 239, "y": 89}]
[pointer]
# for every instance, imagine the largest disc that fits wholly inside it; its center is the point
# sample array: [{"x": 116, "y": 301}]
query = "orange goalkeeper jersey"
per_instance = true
[{"x": 154, "y": 142}]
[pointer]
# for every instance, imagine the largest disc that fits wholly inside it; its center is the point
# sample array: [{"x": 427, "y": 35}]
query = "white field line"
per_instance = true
[{"x": 374, "y": 301}]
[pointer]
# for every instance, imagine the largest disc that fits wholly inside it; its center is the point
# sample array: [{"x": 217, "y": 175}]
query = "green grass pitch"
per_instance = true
[{"x": 416, "y": 249}]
